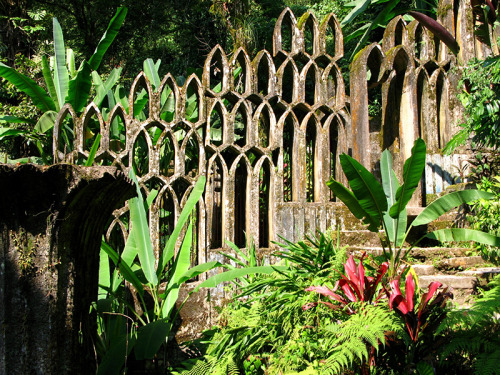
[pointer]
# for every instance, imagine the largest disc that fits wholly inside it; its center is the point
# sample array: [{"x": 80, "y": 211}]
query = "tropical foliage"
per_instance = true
[
  {"x": 64, "y": 83},
  {"x": 383, "y": 206}
]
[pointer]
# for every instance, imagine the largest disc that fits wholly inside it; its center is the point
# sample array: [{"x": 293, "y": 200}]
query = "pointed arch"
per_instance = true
[
  {"x": 308, "y": 26},
  {"x": 192, "y": 153},
  {"x": 66, "y": 128},
  {"x": 216, "y": 124},
  {"x": 169, "y": 99},
  {"x": 140, "y": 153},
  {"x": 285, "y": 33},
  {"x": 264, "y": 122},
  {"x": 241, "y": 119},
  {"x": 140, "y": 96},
  {"x": 289, "y": 126},
  {"x": 242, "y": 82},
  {"x": 439, "y": 80},
  {"x": 116, "y": 129},
  {"x": 241, "y": 172},
  {"x": 288, "y": 83},
  {"x": 335, "y": 89},
  {"x": 216, "y": 71},
  {"x": 193, "y": 103},
  {"x": 395, "y": 34},
  {"x": 331, "y": 37},
  {"x": 264, "y": 177},
  {"x": 312, "y": 163},
  {"x": 311, "y": 83},
  {"x": 264, "y": 73}
]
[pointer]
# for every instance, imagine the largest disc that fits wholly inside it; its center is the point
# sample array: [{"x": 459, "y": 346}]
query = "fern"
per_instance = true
[
  {"x": 352, "y": 340},
  {"x": 474, "y": 333}
]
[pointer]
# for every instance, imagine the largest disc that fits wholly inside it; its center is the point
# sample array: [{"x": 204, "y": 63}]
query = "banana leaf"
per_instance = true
[
  {"x": 230, "y": 275},
  {"x": 447, "y": 202},
  {"x": 169, "y": 250},
  {"x": 150, "y": 337},
  {"x": 151, "y": 71},
  {"x": 180, "y": 266},
  {"x": 93, "y": 150},
  {"x": 412, "y": 173},
  {"x": 16, "y": 120},
  {"x": 396, "y": 227},
  {"x": 463, "y": 234},
  {"x": 46, "y": 122},
  {"x": 353, "y": 204},
  {"x": 39, "y": 97},
  {"x": 79, "y": 88},
  {"x": 111, "y": 31},
  {"x": 124, "y": 268},
  {"x": 366, "y": 188},
  {"x": 142, "y": 238},
  {"x": 61, "y": 76},
  {"x": 49, "y": 81}
]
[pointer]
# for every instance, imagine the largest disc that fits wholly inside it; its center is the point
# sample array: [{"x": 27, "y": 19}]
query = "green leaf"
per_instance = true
[
  {"x": 191, "y": 202},
  {"x": 124, "y": 268},
  {"x": 16, "y": 120},
  {"x": 102, "y": 88},
  {"x": 104, "y": 275},
  {"x": 61, "y": 76},
  {"x": 9, "y": 132},
  {"x": 463, "y": 234},
  {"x": 150, "y": 337},
  {"x": 412, "y": 173},
  {"x": 390, "y": 185},
  {"x": 366, "y": 188},
  {"x": 70, "y": 58},
  {"x": 359, "y": 7},
  {"x": 79, "y": 88},
  {"x": 49, "y": 82},
  {"x": 151, "y": 71},
  {"x": 93, "y": 150},
  {"x": 112, "y": 30},
  {"x": 447, "y": 202},
  {"x": 46, "y": 122},
  {"x": 39, "y": 97},
  {"x": 114, "y": 358},
  {"x": 230, "y": 275},
  {"x": 352, "y": 204},
  {"x": 140, "y": 230},
  {"x": 179, "y": 268}
]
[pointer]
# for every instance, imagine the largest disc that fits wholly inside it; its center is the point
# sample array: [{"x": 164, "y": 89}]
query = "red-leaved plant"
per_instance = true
[
  {"x": 417, "y": 321},
  {"x": 355, "y": 285}
]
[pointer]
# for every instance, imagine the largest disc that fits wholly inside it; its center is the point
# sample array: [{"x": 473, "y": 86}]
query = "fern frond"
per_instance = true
[
  {"x": 488, "y": 363},
  {"x": 351, "y": 340}
]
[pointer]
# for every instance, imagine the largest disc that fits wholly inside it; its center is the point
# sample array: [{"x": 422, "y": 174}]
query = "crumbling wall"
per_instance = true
[{"x": 50, "y": 233}]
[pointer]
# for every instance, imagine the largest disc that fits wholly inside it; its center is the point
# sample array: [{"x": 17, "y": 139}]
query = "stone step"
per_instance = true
[
  {"x": 460, "y": 263},
  {"x": 425, "y": 254}
]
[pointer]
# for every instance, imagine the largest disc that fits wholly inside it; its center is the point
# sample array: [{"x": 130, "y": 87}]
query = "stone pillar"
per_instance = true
[{"x": 51, "y": 223}]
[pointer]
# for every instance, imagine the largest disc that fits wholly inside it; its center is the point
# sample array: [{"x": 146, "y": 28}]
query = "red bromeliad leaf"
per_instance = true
[
  {"x": 438, "y": 30},
  {"x": 396, "y": 298},
  {"x": 324, "y": 291},
  {"x": 409, "y": 291},
  {"x": 361, "y": 275},
  {"x": 345, "y": 285},
  {"x": 426, "y": 297},
  {"x": 350, "y": 270}
]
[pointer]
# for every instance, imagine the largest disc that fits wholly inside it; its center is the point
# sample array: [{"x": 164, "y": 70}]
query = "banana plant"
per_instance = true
[
  {"x": 158, "y": 281},
  {"x": 63, "y": 82},
  {"x": 382, "y": 207}
]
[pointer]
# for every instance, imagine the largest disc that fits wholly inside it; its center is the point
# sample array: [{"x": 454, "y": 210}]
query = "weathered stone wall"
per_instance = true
[
  {"x": 267, "y": 131},
  {"x": 50, "y": 233}
]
